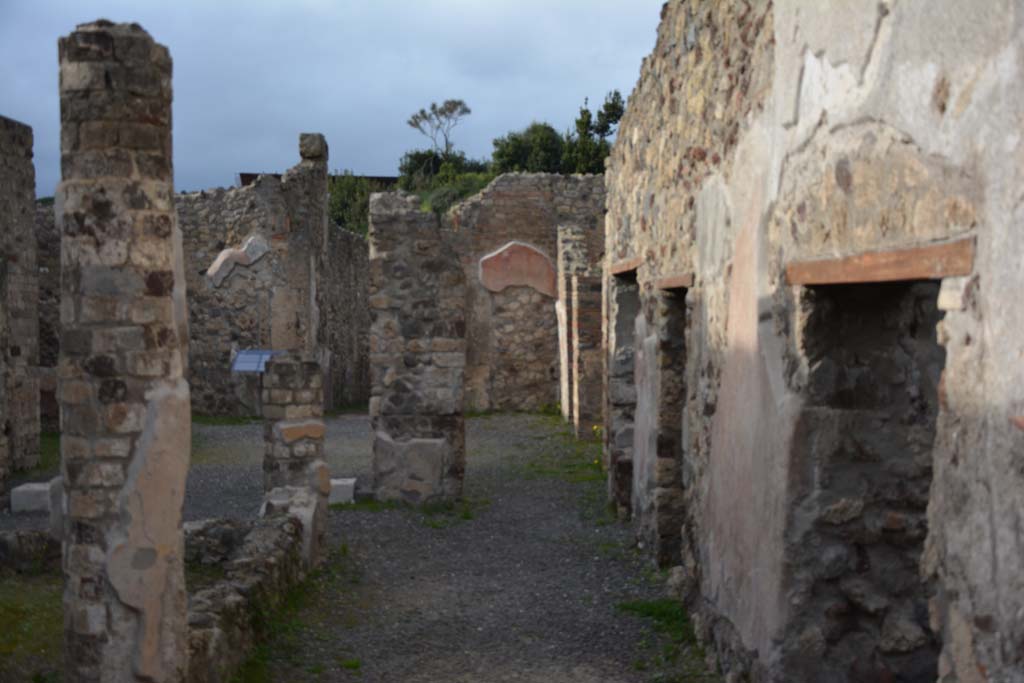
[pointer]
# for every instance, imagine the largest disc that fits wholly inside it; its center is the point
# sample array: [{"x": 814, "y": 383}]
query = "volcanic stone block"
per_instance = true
[{"x": 124, "y": 400}]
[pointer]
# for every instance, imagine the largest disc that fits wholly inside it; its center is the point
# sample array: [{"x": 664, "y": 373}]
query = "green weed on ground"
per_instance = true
[
  {"x": 283, "y": 630},
  {"x": 676, "y": 656},
  {"x": 31, "y": 627},
  {"x": 436, "y": 515}
]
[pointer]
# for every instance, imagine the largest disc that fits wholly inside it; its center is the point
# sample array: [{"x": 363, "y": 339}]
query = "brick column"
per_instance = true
[
  {"x": 293, "y": 431},
  {"x": 124, "y": 400},
  {"x": 296, "y": 480}
]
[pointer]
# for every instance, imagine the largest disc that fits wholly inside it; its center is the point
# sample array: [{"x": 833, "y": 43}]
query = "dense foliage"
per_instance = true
[
  {"x": 348, "y": 203},
  {"x": 540, "y": 148}
]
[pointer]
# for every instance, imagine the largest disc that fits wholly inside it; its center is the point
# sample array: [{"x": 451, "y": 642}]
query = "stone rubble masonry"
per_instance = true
[
  {"x": 851, "y": 501},
  {"x": 296, "y": 479},
  {"x": 513, "y": 358},
  {"x": 19, "y": 289},
  {"x": 417, "y": 353},
  {"x": 254, "y": 262},
  {"x": 262, "y": 560},
  {"x": 124, "y": 400}
]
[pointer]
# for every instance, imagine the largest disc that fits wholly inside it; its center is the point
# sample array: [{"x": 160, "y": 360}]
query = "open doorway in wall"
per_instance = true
[
  {"x": 624, "y": 300},
  {"x": 863, "y": 468},
  {"x": 657, "y": 496}
]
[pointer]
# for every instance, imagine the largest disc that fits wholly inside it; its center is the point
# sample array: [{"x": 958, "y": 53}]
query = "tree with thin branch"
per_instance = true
[{"x": 437, "y": 123}]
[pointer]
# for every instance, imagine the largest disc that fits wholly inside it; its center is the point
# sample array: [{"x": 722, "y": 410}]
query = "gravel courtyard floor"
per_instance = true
[{"x": 528, "y": 579}]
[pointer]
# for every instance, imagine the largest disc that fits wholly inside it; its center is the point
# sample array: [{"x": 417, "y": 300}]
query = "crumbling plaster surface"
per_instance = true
[
  {"x": 763, "y": 134},
  {"x": 526, "y": 208}
]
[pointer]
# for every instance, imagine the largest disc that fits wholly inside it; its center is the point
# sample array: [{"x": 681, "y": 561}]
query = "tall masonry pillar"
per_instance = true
[{"x": 123, "y": 396}]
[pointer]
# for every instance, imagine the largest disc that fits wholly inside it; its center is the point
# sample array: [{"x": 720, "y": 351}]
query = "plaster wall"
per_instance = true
[{"x": 763, "y": 134}]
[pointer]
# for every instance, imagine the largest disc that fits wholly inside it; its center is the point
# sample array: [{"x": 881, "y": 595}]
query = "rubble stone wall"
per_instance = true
[
  {"x": 125, "y": 420},
  {"x": 587, "y": 365},
  {"x": 253, "y": 260},
  {"x": 417, "y": 353},
  {"x": 521, "y": 371},
  {"x": 761, "y": 136},
  {"x": 20, "y": 292}
]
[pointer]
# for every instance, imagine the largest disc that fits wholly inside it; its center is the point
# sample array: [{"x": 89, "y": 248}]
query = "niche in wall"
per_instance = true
[{"x": 863, "y": 469}]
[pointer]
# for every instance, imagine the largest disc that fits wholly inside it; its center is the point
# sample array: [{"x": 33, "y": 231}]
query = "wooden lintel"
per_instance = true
[
  {"x": 626, "y": 265},
  {"x": 918, "y": 263},
  {"x": 679, "y": 281}
]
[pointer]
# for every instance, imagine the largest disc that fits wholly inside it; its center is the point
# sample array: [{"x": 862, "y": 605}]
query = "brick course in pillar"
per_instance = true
[
  {"x": 293, "y": 431},
  {"x": 124, "y": 400}
]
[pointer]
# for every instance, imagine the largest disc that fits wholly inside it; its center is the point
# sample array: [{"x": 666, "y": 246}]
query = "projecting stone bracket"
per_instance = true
[{"x": 252, "y": 250}]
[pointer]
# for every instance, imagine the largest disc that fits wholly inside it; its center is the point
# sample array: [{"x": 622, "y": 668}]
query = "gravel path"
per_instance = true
[
  {"x": 524, "y": 581},
  {"x": 521, "y": 583}
]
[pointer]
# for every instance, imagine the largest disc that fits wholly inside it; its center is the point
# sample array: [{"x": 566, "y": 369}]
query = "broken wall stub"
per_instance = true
[
  {"x": 345, "y": 319},
  {"x": 417, "y": 353},
  {"x": 20, "y": 292},
  {"x": 124, "y": 400},
  {"x": 507, "y": 239},
  {"x": 254, "y": 258},
  {"x": 768, "y": 152}
]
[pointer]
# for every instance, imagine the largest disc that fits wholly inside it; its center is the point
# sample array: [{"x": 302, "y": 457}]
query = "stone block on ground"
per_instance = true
[
  {"x": 31, "y": 497},
  {"x": 342, "y": 491}
]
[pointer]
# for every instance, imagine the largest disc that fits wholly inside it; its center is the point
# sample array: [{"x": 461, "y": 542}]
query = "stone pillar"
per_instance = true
[
  {"x": 417, "y": 354},
  {"x": 293, "y": 431},
  {"x": 296, "y": 479},
  {"x": 124, "y": 400},
  {"x": 20, "y": 294},
  {"x": 586, "y": 361}
]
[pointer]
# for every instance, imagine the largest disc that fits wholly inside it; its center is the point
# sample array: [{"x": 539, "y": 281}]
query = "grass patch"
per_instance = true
[
  {"x": 444, "y": 514},
  {"x": 223, "y": 420},
  {"x": 31, "y": 627},
  {"x": 679, "y": 658},
  {"x": 351, "y": 664},
  {"x": 49, "y": 459},
  {"x": 285, "y": 630},
  {"x": 668, "y": 617}
]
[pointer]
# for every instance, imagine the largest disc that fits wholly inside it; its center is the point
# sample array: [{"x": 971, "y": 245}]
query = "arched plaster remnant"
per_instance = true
[
  {"x": 251, "y": 251},
  {"x": 518, "y": 264}
]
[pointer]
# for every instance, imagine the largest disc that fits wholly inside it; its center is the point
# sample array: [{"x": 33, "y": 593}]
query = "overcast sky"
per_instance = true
[{"x": 250, "y": 76}]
